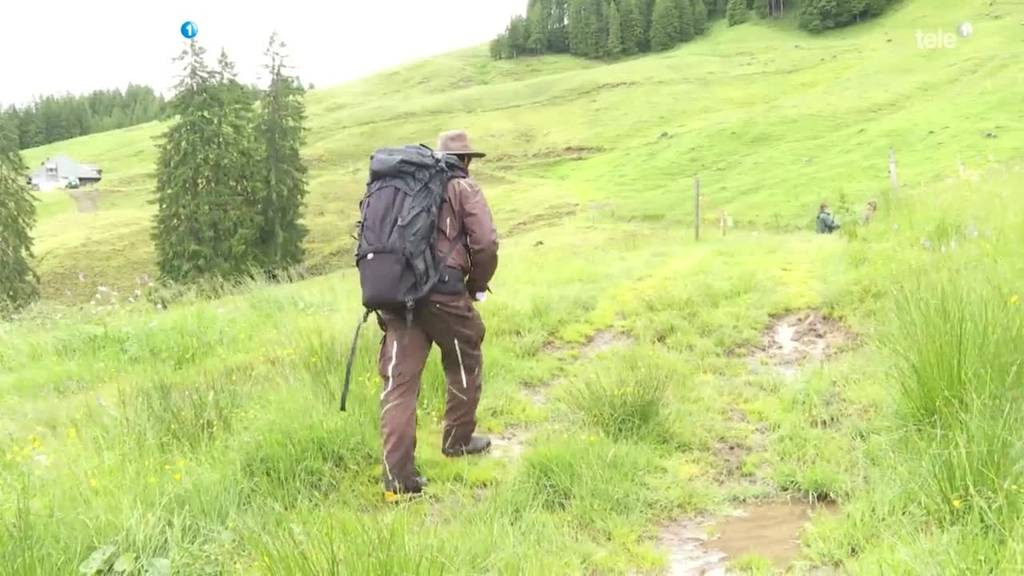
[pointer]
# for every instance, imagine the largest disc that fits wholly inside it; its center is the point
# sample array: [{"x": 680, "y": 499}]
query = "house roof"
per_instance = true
[{"x": 67, "y": 168}]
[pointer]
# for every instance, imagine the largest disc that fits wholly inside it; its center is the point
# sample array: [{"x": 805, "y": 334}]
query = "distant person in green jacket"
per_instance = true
[{"x": 826, "y": 223}]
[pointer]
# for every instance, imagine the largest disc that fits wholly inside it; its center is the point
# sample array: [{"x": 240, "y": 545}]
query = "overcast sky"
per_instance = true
[{"x": 57, "y": 46}]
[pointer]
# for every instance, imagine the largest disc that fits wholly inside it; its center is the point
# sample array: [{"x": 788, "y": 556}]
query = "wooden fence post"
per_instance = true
[{"x": 893, "y": 175}]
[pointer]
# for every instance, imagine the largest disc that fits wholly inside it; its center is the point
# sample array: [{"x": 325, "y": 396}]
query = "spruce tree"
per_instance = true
[
  {"x": 208, "y": 176},
  {"x": 632, "y": 31},
  {"x": 581, "y": 28},
  {"x": 615, "y": 44},
  {"x": 18, "y": 282},
  {"x": 665, "y": 25},
  {"x": 761, "y": 8},
  {"x": 736, "y": 12},
  {"x": 700, "y": 17},
  {"x": 645, "y": 14},
  {"x": 281, "y": 127},
  {"x": 599, "y": 42},
  {"x": 686, "y": 31},
  {"x": 538, "y": 14},
  {"x": 558, "y": 28}
]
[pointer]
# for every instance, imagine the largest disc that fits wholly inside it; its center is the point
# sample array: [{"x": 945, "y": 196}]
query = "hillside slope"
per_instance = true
[
  {"x": 772, "y": 119},
  {"x": 635, "y": 380}
]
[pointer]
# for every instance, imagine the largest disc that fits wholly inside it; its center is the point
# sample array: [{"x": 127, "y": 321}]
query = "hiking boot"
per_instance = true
[
  {"x": 395, "y": 491},
  {"x": 476, "y": 445}
]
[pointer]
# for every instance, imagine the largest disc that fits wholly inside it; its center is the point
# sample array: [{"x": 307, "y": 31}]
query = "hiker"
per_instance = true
[
  {"x": 468, "y": 244},
  {"x": 826, "y": 222},
  {"x": 869, "y": 212}
]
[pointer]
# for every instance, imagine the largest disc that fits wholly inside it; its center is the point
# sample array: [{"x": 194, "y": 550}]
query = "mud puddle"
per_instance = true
[
  {"x": 770, "y": 531},
  {"x": 799, "y": 338}
]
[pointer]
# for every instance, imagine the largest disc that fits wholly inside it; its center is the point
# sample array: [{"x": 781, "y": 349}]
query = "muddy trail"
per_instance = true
[{"x": 770, "y": 531}]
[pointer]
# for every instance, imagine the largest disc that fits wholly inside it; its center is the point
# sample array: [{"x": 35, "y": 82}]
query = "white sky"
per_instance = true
[{"x": 58, "y": 46}]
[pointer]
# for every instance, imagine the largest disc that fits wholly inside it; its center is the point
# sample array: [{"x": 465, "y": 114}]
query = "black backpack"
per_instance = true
[{"x": 395, "y": 255}]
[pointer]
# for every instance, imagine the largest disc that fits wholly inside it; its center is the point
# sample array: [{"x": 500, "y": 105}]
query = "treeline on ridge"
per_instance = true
[
  {"x": 614, "y": 28},
  {"x": 55, "y": 118}
]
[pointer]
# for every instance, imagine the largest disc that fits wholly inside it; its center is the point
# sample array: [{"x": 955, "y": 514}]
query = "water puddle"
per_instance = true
[
  {"x": 770, "y": 531},
  {"x": 798, "y": 338}
]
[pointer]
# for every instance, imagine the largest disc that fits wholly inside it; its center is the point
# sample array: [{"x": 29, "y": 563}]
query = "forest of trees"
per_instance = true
[
  {"x": 231, "y": 184},
  {"x": 614, "y": 28},
  {"x": 18, "y": 282},
  {"x": 821, "y": 15},
  {"x": 55, "y": 118}
]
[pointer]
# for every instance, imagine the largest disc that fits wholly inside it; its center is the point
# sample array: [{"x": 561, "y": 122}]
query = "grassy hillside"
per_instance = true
[
  {"x": 625, "y": 363},
  {"x": 773, "y": 120}
]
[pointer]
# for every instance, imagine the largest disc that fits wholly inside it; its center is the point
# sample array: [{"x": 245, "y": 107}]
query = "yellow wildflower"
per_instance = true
[
  {"x": 72, "y": 434},
  {"x": 957, "y": 504},
  {"x": 92, "y": 482},
  {"x": 177, "y": 477},
  {"x": 1014, "y": 300}
]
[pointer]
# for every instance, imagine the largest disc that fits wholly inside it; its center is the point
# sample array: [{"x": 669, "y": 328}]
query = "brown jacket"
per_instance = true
[{"x": 466, "y": 223}]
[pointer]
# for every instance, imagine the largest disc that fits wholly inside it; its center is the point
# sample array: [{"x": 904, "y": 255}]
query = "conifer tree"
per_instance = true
[
  {"x": 208, "y": 176},
  {"x": 538, "y": 14},
  {"x": 686, "y": 31},
  {"x": 615, "y": 44},
  {"x": 558, "y": 32},
  {"x": 632, "y": 31},
  {"x": 18, "y": 282},
  {"x": 700, "y": 17},
  {"x": 281, "y": 118},
  {"x": 736, "y": 12},
  {"x": 665, "y": 25}
]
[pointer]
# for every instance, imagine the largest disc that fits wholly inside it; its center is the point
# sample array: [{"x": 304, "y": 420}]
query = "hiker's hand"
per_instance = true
[{"x": 480, "y": 297}]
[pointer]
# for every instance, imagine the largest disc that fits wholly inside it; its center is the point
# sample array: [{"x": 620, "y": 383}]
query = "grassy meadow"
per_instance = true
[{"x": 204, "y": 438}]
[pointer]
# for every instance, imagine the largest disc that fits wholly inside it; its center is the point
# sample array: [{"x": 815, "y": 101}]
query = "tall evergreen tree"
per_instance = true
[
  {"x": 720, "y": 7},
  {"x": 632, "y": 30},
  {"x": 665, "y": 25},
  {"x": 615, "y": 44},
  {"x": 558, "y": 28},
  {"x": 538, "y": 20},
  {"x": 686, "y": 31},
  {"x": 208, "y": 176},
  {"x": 18, "y": 282},
  {"x": 645, "y": 13},
  {"x": 281, "y": 127},
  {"x": 736, "y": 12},
  {"x": 588, "y": 28},
  {"x": 700, "y": 17},
  {"x": 761, "y": 8}
]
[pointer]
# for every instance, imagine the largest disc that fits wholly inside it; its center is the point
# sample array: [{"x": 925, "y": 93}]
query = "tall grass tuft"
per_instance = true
[
  {"x": 625, "y": 398},
  {"x": 960, "y": 346},
  {"x": 185, "y": 410}
]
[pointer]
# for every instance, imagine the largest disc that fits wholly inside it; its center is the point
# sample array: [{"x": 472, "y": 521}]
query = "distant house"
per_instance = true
[{"x": 63, "y": 172}]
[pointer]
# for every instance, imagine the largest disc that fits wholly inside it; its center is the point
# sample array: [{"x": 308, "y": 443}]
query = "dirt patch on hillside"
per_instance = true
[
  {"x": 549, "y": 216},
  {"x": 603, "y": 341},
  {"x": 510, "y": 444},
  {"x": 798, "y": 338},
  {"x": 771, "y": 531}
]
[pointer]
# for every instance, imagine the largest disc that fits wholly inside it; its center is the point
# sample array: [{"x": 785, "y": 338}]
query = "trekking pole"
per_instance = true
[{"x": 351, "y": 359}]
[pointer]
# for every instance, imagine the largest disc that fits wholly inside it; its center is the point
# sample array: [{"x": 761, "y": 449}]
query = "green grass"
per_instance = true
[{"x": 207, "y": 434}]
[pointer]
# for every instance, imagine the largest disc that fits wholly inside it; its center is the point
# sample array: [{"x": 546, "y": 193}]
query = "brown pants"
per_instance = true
[{"x": 451, "y": 322}]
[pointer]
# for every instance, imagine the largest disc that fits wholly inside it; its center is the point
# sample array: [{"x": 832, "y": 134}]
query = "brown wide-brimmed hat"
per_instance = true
[{"x": 456, "y": 142}]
